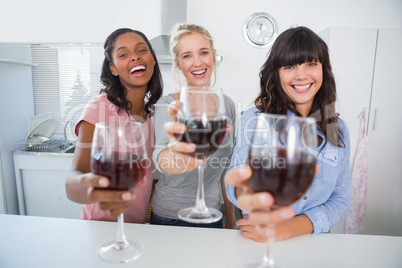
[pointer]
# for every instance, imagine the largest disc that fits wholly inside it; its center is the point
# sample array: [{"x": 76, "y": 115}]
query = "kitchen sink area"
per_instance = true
[
  {"x": 41, "y": 166},
  {"x": 40, "y": 173},
  {"x": 52, "y": 146},
  {"x": 40, "y": 180}
]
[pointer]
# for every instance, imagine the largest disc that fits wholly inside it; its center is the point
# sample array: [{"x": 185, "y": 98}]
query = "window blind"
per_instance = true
[{"x": 64, "y": 78}]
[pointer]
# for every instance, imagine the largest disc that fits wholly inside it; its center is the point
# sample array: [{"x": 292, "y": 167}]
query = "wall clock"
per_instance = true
[{"x": 260, "y": 30}]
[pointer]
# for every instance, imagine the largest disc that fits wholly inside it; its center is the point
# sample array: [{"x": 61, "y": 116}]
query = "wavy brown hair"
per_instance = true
[
  {"x": 293, "y": 47},
  {"x": 115, "y": 91}
]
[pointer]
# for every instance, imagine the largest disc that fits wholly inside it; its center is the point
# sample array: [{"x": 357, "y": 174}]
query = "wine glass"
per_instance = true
[
  {"x": 282, "y": 157},
  {"x": 119, "y": 153},
  {"x": 203, "y": 113}
]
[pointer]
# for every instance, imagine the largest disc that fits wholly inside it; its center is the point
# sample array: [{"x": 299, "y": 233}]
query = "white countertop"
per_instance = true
[
  {"x": 27, "y": 241},
  {"x": 32, "y": 153}
]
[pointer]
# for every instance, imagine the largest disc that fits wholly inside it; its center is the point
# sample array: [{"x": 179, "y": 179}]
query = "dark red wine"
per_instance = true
[
  {"x": 286, "y": 177},
  {"x": 124, "y": 170},
  {"x": 206, "y": 133}
]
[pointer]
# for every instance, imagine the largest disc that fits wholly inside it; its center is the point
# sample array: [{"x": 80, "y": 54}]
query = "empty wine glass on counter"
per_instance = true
[
  {"x": 282, "y": 157},
  {"x": 203, "y": 113},
  {"x": 119, "y": 153}
]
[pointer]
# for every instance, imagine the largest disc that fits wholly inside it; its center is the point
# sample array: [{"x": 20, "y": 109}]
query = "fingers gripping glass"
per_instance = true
[
  {"x": 119, "y": 153},
  {"x": 203, "y": 112},
  {"x": 282, "y": 159}
]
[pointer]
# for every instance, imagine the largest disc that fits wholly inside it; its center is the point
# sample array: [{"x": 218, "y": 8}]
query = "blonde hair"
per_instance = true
[{"x": 178, "y": 31}]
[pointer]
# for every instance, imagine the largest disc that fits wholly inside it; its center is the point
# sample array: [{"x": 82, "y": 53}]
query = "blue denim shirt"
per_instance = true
[{"x": 328, "y": 198}]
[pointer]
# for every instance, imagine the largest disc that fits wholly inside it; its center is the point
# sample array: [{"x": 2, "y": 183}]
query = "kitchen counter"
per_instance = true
[
  {"x": 28, "y": 241},
  {"x": 56, "y": 154},
  {"x": 40, "y": 180}
]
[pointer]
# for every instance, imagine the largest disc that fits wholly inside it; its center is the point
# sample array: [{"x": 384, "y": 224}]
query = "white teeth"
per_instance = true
[
  {"x": 199, "y": 72},
  {"x": 136, "y": 68},
  {"x": 302, "y": 87}
]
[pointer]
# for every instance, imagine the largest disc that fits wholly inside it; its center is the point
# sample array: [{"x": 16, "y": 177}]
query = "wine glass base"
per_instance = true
[
  {"x": 116, "y": 252},
  {"x": 258, "y": 264},
  {"x": 193, "y": 215}
]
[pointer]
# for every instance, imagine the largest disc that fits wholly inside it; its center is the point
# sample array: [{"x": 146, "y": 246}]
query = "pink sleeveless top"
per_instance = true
[{"x": 100, "y": 109}]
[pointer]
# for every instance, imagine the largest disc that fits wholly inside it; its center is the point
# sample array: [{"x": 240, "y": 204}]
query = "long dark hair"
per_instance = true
[
  {"x": 297, "y": 46},
  {"x": 116, "y": 93}
]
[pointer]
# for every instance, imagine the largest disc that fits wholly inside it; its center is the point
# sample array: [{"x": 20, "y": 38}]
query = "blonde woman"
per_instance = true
[{"x": 194, "y": 60}]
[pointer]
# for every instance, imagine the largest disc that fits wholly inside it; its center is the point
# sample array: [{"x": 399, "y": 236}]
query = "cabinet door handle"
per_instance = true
[{"x": 375, "y": 119}]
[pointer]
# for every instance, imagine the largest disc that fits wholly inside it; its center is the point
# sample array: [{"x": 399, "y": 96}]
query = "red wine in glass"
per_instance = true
[
  {"x": 287, "y": 176},
  {"x": 203, "y": 112},
  {"x": 124, "y": 170},
  {"x": 119, "y": 153},
  {"x": 206, "y": 133},
  {"x": 282, "y": 159}
]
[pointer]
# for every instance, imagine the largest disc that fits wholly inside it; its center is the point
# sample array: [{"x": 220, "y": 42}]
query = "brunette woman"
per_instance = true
[
  {"x": 133, "y": 83},
  {"x": 296, "y": 80}
]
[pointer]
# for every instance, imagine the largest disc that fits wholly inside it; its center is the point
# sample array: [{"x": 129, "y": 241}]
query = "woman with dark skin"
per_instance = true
[{"x": 133, "y": 83}]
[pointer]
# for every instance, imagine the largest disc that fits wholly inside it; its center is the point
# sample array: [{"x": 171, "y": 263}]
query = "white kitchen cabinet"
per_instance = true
[
  {"x": 368, "y": 73},
  {"x": 17, "y": 106},
  {"x": 384, "y": 207},
  {"x": 40, "y": 179}
]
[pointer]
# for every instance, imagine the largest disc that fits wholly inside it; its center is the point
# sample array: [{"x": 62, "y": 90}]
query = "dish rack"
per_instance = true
[{"x": 56, "y": 146}]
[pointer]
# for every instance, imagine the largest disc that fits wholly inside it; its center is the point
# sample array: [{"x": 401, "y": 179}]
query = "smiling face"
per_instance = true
[
  {"x": 196, "y": 59},
  {"x": 301, "y": 82},
  {"x": 133, "y": 62}
]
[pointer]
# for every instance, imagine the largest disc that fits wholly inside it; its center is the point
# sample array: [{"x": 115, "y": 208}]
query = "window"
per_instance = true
[{"x": 64, "y": 78}]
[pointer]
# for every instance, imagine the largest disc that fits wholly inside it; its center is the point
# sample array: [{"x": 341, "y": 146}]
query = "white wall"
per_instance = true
[
  {"x": 238, "y": 73},
  {"x": 92, "y": 21},
  {"x": 75, "y": 20}
]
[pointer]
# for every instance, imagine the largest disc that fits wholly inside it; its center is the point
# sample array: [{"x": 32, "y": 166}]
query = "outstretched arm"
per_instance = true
[
  {"x": 256, "y": 227},
  {"x": 85, "y": 187}
]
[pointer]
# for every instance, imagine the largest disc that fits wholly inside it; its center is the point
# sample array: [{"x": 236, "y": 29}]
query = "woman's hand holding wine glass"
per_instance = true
[
  {"x": 198, "y": 131},
  {"x": 178, "y": 149},
  {"x": 257, "y": 225},
  {"x": 112, "y": 201},
  {"x": 281, "y": 162},
  {"x": 119, "y": 153}
]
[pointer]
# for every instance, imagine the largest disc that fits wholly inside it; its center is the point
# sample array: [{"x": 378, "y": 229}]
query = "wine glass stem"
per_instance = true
[
  {"x": 200, "y": 201},
  {"x": 268, "y": 260},
  {"x": 121, "y": 240}
]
